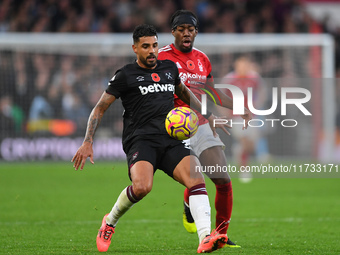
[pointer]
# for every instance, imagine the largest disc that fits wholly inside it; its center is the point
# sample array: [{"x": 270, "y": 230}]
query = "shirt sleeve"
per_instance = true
[
  {"x": 177, "y": 78},
  {"x": 117, "y": 85},
  {"x": 161, "y": 56}
]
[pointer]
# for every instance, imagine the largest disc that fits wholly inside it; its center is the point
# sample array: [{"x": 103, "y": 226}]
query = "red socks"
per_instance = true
[
  {"x": 223, "y": 205},
  {"x": 186, "y": 196},
  {"x": 244, "y": 158}
]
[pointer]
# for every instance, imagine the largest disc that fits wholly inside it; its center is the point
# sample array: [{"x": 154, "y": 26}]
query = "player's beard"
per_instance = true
[
  {"x": 148, "y": 63},
  {"x": 186, "y": 49}
]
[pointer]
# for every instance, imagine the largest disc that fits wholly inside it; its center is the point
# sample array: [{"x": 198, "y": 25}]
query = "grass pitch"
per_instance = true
[{"x": 48, "y": 208}]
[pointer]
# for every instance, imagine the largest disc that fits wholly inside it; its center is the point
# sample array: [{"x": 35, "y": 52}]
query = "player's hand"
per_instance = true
[
  {"x": 247, "y": 116},
  {"x": 214, "y": 125},
  {"x": 84, "y": 151}
]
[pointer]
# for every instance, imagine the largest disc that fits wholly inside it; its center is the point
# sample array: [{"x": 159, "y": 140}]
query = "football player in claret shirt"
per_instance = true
[
  {"x": 146, "y": 88},
  {"x": 195, "y": 71}
]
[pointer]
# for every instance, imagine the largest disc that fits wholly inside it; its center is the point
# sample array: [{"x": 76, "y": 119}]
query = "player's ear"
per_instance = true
[{"x": 134, "y": 48}]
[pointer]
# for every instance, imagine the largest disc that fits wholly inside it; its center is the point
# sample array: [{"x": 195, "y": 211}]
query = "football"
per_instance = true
[{"x": 181, "y": 123}]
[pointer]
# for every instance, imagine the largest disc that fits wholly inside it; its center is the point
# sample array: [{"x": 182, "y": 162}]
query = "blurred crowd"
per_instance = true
[
  {"x": 110, "y": 16},
  {"x": 54, "y": 87},
  {"x": 37, "y": 88},
  {"x": 115, "y": 16}
]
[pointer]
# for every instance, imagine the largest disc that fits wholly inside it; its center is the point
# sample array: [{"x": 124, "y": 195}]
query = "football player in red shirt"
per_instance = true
[
  {"x": 195, "y": 71},
  {"x": 244, "y": 76}
]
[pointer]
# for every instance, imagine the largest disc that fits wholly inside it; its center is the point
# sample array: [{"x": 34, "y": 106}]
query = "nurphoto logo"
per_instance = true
[{"x": 304, "y": 96}]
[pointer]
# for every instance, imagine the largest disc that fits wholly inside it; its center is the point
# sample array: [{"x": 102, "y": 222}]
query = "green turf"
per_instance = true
[{"x": 48, "y": 208}]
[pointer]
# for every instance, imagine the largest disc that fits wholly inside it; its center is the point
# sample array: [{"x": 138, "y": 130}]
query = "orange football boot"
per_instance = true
[
  {"x": 212, "y": 242},
  {"x": 104, "y": 236}
]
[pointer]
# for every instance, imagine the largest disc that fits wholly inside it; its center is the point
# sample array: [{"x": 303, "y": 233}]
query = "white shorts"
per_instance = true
[{"x": 203, "y": 140}]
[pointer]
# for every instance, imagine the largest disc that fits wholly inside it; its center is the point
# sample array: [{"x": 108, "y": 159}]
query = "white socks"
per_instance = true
[
  {"x": 122, "y": 205},
  {"x": 199, "y": 208},
  {"x": 200, "y": 211}
]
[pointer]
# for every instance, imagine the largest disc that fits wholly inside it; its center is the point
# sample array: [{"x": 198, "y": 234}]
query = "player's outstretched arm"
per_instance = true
[
  {"x": 227, "y": 102},
  {"x": 85, "y": 150},
  {"x": 188, "y": 97}
]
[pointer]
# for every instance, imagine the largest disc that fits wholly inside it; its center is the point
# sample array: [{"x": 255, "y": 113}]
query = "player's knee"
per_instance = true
[
  {"x": 141, "y": 190},
  {"x": 193, "y": 182}
]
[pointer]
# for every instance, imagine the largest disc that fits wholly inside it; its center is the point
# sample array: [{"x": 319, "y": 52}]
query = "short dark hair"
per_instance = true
[
  {"x": 143, "y": 30},
  {"x": 182, "y": 12}
]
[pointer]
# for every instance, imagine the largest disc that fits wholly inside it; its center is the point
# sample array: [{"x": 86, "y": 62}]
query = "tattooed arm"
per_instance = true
[{"x": 85, "y": 150}]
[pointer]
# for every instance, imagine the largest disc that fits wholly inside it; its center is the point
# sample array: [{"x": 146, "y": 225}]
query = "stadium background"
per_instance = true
[
  {"x": 45, "y": 100},
  {"x": 46, "y": 95}
]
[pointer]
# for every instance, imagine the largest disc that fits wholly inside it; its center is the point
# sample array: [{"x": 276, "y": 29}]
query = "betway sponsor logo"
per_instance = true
[
  {"x": 156, "y": 87},
  {"x": 192, "y": 78}
]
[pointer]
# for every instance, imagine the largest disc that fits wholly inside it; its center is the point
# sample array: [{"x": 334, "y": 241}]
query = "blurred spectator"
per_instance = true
[
  {"x": 249, "y": 141},
  {"x": 40, "y": 109},
  {"x": 6, "y": 121},
  {"x": 11, "y": 117},
  {"x": 4, "y": 15},
  {"x": 45, "y": 96},
  {"x": 22, "y": 87},
  {"x": 7, "y": 73},
  {"x": 63, "y": 80},
  {"x": 74, "y": 109}
]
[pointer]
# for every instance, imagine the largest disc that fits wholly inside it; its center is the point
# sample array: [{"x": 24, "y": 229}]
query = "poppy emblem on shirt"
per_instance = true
[
  {"x": 190, "y": 64},
  {"x": 155, "y": 77}
]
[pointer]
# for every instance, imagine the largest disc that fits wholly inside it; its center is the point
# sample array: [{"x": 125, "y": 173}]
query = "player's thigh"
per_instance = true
[
  {"x": 141, "y": 150},
  {"x": 142, "y": 158},
  {"x": 141, "y": 174},
  {"x": 188, "y": 172},
  {"x": 214, "y": 158},
  {"x": 173, "y": 153},
  {"x": 179, "y": 163}
]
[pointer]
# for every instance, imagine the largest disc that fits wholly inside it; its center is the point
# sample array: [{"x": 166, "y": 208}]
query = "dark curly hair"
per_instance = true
[{"x": 143, "y": 30}]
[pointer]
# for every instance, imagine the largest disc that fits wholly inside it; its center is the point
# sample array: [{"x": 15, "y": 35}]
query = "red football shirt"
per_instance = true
[{"x": 194, "y": 68}]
